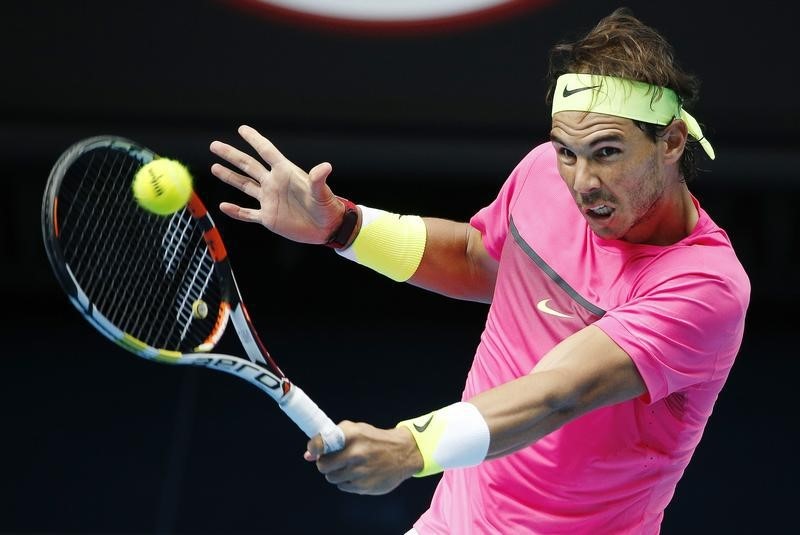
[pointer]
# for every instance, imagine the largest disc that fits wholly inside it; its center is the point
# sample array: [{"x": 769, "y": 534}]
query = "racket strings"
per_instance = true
[
  {"x": 200, "y": 266},
  {"x": 142, "y": 272},
  {"x": 194, "y": 289},
  {"x": 99, "y": 248},
  {"x": 88, "y": 222},
  {"x": 109, "y": 242},
  {"x": 174, "y": 242},
  {"x": 105, "y": 279}
]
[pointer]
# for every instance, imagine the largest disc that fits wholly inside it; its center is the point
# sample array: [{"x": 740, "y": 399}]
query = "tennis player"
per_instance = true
[{"x": 617, "y": 305}]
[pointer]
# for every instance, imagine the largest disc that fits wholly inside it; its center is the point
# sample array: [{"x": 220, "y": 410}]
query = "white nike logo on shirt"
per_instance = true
[{"x": 544, "y": 307}]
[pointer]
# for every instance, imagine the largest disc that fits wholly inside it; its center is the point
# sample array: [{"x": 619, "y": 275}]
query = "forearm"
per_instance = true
[
  {"x": 584, "y": 372},
  {"x": 522, "y": 411},
  {"x": 490, "y": 425}
]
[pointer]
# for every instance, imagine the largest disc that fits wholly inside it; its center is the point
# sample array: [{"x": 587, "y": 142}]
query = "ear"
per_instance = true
[{"x": 674, "y": 140}]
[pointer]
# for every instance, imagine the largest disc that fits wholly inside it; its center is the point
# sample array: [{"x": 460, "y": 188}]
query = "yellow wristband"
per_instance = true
[
  {"x": 455, "y": 436},
  {"x": 390, "y": 244},
  {"x": 427, "y": 436}
]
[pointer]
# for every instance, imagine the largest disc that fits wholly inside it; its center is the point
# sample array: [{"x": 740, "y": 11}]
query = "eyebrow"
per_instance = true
[{"x": 604, "y": 139}]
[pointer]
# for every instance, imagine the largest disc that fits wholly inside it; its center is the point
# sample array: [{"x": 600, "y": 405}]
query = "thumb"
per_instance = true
[
  {"x": 314, "y": 449},
  {"x": 318, "y": 175}
]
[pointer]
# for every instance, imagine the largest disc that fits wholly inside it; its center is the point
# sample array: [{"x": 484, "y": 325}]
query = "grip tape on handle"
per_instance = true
[{"x": 310, "y": 418}]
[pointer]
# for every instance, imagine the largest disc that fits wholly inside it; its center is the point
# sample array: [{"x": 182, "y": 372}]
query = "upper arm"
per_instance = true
[
  {"x": 455, "y": 262},
  {"x": 684, "y": 326}
]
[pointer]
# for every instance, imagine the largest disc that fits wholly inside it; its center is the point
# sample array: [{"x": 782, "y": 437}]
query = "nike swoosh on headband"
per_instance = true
[{"x": 569, "y": 92}]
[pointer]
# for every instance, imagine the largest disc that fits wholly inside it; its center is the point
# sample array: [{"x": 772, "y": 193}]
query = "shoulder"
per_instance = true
[
  {"x": 541, "y": 156},
  {"x": 536, "y": 172},
  {"x": 706, "y": 268}
]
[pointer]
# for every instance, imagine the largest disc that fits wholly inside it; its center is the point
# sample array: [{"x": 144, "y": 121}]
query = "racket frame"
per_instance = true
[{"x": 260, "y": 370}]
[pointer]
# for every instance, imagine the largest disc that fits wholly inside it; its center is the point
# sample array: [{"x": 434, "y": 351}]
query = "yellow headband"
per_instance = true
[{"x": 623, "y": 98}]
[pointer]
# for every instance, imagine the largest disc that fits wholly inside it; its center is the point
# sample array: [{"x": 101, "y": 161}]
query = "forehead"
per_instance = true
[{"x": 579, "y": 126}]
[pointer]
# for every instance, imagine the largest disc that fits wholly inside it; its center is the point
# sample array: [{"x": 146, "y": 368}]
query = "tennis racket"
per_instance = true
[{"x": 159, "y": 286}]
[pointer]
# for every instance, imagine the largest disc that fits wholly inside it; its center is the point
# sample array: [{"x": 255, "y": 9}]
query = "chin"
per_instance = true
[
  {"x": 604, "y": 231},
  {"x": 607, "y": 234}
]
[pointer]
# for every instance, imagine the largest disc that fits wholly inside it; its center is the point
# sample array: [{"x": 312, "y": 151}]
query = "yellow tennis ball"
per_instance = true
[{"x": 162, "y": 186}]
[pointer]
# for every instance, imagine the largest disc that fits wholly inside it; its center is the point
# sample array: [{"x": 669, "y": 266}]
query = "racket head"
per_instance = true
[{"x": 159, "y": 286}]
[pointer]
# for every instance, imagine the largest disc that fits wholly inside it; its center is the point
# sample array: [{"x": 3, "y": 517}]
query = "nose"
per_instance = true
[{"x": 585, "y": 180}]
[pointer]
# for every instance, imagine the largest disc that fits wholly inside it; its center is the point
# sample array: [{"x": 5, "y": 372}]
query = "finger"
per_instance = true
[
  {"x": 315, "y": 447},
  {"x": 319, "y": 175},
  {"x": 238, "y": 212},
  {"x": 330, "y": 463},
  {"x": 241, "y": 182},
  {"x": 355, "y": 487},
  {"x": 263, "y": 146},
  {"x": 243, "y": 161},
  {"x": 343, "y": 476},
  {"x": 349, "y": 486},
  {"x": 358, "y": 485}
]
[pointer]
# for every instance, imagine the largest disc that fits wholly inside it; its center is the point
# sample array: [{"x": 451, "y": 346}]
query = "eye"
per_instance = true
[
  {"x": 607, "y": 152},
  {"x": 565, "y": 154}
]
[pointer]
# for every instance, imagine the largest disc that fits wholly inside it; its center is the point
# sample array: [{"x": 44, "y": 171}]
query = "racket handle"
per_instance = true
[{"x": 310, "y": 418}]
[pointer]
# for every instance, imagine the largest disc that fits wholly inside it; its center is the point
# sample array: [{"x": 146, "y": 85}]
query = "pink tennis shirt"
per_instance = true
[{"x": 677, "y": 310}]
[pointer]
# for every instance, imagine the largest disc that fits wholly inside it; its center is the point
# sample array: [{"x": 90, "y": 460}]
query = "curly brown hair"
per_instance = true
[{"x": 622, "y": 46}]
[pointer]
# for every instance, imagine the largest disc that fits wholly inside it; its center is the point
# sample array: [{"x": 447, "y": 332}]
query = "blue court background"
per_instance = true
[{"x": 95, "y": 440}]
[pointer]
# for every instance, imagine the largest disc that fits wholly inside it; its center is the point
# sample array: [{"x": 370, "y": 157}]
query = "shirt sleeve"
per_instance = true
[
  {"x": 493, "y": 220},
  {"x": 680, "y": 330}
]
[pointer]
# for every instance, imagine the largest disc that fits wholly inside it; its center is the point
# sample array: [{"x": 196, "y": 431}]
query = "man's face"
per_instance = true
[{"x": 615, "y": 174}]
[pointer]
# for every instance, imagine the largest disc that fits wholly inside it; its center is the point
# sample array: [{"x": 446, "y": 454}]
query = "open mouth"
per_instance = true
[{"x": 599, "y": 212}]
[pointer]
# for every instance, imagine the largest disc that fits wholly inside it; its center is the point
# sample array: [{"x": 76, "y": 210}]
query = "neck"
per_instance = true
[{"x": 675, "y": 216}]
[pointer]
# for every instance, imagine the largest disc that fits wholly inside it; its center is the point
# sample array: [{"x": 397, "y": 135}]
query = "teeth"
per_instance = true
[{"x": 601, "y": 210}]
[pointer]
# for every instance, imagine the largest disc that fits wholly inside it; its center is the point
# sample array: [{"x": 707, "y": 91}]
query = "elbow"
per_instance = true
[
  {"x": 561, "y": 404},
  {"x": 565, "y": 399}
]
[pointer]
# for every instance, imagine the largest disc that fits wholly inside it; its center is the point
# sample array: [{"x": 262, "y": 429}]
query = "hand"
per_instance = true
[
  {"x": 374, "y": 461},
  {"x": 295, "y": 204}
]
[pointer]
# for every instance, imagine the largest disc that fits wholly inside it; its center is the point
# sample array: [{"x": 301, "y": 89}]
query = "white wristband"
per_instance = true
[{"x": 455, "y": 436}]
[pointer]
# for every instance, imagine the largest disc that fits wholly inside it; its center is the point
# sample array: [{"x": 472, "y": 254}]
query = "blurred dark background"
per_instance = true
[{"x": 427, "y": 119}]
